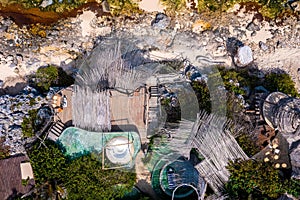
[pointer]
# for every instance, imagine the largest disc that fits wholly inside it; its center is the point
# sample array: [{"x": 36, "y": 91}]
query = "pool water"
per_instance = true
[{"x": 120, "y": 148}]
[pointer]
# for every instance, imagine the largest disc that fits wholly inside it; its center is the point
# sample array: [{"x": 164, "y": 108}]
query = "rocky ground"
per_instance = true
[
  {"x": 12, "y": 111},
  {"x": 203, "y": 40}
]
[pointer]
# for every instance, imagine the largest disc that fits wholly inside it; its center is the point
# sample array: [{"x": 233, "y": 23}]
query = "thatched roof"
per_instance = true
[
  {"x": 282, "y": 112},
  {"x": 114, "y": 64},
  {"x": 11, "y": 177}
]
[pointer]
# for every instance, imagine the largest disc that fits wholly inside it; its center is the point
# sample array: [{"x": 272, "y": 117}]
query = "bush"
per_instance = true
[
  {"x": 253, "y": 178},
  {"x": 280, "y": 82},
  {"x": 83, "y": 178},
  {"x": 203, "y": 95},
  {"x": 123, "y": 7},
  {"x": 28, "y": 124},
  {"x": 247, "y": 144},
  {"x": 4, "y": 150},
  {"x": 45, "y": 77}
]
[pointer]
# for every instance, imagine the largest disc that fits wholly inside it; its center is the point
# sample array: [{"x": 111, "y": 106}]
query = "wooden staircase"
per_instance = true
[{"x": 56, "y": 130}]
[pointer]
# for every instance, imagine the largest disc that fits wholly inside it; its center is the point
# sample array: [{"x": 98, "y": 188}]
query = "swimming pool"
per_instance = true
[{"x": 117, "y": 148}]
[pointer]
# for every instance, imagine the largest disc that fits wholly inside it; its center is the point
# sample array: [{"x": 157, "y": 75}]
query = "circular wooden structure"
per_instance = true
[{"x": 282, "y": 112}]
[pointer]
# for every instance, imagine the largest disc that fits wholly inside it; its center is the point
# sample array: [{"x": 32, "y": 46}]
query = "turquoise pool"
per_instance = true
[{"x": 118, "y": 148}]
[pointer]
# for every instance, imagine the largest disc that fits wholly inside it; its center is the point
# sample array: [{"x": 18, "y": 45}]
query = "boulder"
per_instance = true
[
  {"x": 161, "y": 21},
  {"x": 252, "y": 27},
  {"x": 243, "y": 57},
  {"x": 199, "y": 26},
  {"x": 263, "y": 46}
]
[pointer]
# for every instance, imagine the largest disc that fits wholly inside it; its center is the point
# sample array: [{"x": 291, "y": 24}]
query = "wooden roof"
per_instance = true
[{"x": 11, "y": 177}]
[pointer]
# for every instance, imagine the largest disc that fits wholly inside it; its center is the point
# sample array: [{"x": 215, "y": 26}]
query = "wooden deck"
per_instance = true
[
  {"x": 128, "y": 111},
  {"x": 65, "y": 114}
]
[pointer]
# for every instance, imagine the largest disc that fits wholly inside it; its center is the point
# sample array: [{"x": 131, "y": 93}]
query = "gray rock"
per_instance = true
[
  {"x": 105, "y": 6},
  {"x": 46, "y": 3},
  {"x": 244, "y": 56},
  {"x": 11, "y": 42},
  {"x": 252, "y": 27},
  {"x": 161, "y": 21},
  {"x": 3, "y": 28},
  {"x": 263, "y": 46},
  {"x": 9, "y": 58},
  {"x": 19, "y": 58}
]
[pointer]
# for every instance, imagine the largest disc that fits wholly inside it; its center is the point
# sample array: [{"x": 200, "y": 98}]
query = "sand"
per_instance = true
[
  {"x": 5, "y": 72},
  {"x": 152, "y": 6}
]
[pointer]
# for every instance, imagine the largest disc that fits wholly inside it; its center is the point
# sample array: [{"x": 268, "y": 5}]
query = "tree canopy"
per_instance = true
[
  {"x": 253, "y": 178},
  {"x": 28, "y": 123},
  {"x": 45, "y": 76},
  {"x": 83, "y": 178},
  {"x": 280, "y": 82}
]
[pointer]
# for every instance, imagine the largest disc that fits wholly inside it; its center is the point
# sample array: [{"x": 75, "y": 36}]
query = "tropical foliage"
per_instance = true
[
  {"x": 280, "y": 82},
  {"x": 256, "y": 179},
  {"x": 28, "y": 123},
  {"x": 83, "y": 178},
  {"x": 203, "y": 95},
  {"x": 46, "y": 76},
  {"x": 247, "y": 144}
]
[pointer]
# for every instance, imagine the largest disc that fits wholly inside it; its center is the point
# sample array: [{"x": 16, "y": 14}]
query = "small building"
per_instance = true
[
  {"x": 282, "y": 112},
  {"x": 16, "y": 177}
]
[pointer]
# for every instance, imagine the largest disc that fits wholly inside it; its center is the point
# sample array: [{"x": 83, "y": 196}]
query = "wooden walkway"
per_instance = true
[{"x": 65, "y": 114}]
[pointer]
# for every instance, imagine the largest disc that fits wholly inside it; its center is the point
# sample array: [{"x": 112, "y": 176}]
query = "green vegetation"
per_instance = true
[
  {"x": 250, "y": 179},
  {"x": 254, "y": 179},
  {"x": 45, "y": 77},
  {"x": 51, "y": 76},
  {"x": 174, "y": 5},
  {"x": 235, "y": 81},
  {"x": 203, "y": 96},
  {"x": 268, "y": 8},
  {"x": 247, "y": 144},
  {"x": 4, "y": 150},
  {"x": 280, "y": 82},
  {"x": 32, "y": 101},
  {"x": 83, "y": 178},
  {"x": 123, "y": 7},
  {"x": 28, "y": 124},
  {"x": 293, "y": 187},
  {"x": 65, "y": 5}
]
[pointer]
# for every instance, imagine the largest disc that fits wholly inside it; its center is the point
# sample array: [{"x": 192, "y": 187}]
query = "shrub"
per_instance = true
[
  {"x": 4, "y": 150},
  {"x": 203, "y": 96},
  {"x": 123, "y": 7},
  {"x": 247, "y": 144},
  {"x": 83, "y": 177},
  {"x": 28, "y": 124},
  {"x": 45, "y": 77},
  {"x": 253, "y": 178},
  {"x": 280, "y": 82}
]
